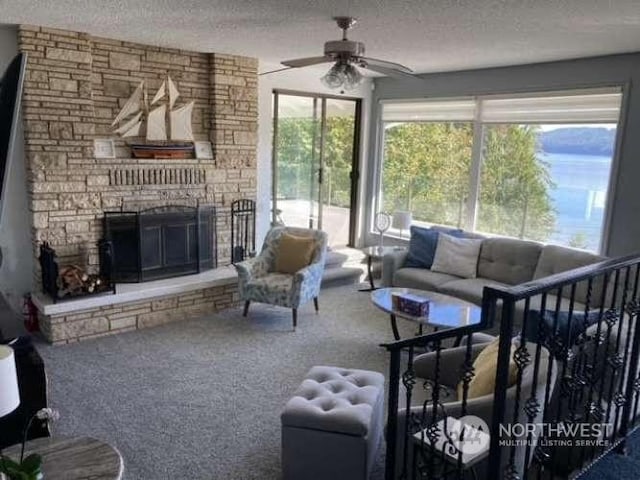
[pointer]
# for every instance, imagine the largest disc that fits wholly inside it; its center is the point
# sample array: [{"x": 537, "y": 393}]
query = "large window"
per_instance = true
[{"x": 534, "y": 167}]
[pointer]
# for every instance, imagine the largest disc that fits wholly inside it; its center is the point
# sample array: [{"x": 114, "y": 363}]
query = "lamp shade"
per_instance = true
[
  {"x": 9, "y": 395},
  {"x": 402, "y": 220}
]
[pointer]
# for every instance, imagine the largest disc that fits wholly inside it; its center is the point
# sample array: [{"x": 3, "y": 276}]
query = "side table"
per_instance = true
[
  {"x": 376, "y": 253},
  {"x": 74, "y": 458}
]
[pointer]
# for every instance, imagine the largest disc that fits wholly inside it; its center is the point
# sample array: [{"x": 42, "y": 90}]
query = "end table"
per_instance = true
[
  {"x": 376, "y": 253},
  {"x": 74, "y": 458}
]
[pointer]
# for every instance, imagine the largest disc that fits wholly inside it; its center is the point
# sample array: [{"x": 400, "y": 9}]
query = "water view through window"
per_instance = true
[
  {"x": 552, "y": 182},
  {"x": 544, "y": 182},
  {"x": 580, "y": 174}
]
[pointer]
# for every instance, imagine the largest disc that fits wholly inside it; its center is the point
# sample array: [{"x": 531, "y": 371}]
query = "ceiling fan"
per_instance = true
[{"x": 346, "y": 55}]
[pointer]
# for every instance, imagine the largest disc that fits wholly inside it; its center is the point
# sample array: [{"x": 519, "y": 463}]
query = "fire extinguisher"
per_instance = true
[{"x": 30, "y": 313}]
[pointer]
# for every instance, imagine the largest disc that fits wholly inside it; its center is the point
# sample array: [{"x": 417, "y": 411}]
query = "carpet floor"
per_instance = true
[{"x": 201, "y": 399}]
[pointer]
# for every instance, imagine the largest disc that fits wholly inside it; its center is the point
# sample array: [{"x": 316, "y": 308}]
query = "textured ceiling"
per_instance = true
[{"x": 426, "y": 35}]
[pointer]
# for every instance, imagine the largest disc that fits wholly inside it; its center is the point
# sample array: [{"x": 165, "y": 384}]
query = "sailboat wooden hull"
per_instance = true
[{"x": 145, "y": 150}]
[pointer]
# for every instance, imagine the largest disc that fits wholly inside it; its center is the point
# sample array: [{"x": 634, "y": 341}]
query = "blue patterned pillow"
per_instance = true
[
  {"x": 423, "y": 243},
  {"x": 548, "y": 319}
]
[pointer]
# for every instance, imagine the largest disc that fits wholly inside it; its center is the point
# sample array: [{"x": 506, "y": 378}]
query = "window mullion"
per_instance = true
[{"x": 474, "y": 174}]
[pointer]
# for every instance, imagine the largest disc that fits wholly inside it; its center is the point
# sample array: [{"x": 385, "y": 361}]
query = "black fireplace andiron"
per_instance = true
[{"x": 243, "y": 230}]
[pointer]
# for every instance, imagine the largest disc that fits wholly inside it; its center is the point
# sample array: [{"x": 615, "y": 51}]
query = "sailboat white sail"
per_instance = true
[
  {"x": 133, "y": 105},
  {"x": 159, "y": 94},
  {"x": 156, "y": 129},
  {"x": 173, "y": 92},
  {"x": 181, "y": 122},
  {"x": 131, "y": 128}
]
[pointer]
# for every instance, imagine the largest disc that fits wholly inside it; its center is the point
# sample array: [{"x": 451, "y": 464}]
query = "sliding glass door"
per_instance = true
[{"x": 315, "y": 163}]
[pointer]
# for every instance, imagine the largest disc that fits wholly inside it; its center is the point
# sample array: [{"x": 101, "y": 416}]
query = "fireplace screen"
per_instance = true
[{"x": 161, "y": 242}]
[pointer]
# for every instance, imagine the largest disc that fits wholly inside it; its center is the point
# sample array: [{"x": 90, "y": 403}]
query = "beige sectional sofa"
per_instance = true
[{"x": 502, "y": 262}]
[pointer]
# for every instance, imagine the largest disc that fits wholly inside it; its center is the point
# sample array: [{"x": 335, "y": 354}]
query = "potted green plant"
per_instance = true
[{"x": 29, "y": 467}]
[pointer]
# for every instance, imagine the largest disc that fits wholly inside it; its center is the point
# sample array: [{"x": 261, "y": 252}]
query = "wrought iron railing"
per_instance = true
[{"x": 567, "y": 384}]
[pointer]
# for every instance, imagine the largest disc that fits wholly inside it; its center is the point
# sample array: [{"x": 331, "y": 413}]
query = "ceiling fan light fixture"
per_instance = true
[
  {"x": 334, "y": 78},
  {"x": 342, "y": 75},
  {"x": 352, "y": 77}
]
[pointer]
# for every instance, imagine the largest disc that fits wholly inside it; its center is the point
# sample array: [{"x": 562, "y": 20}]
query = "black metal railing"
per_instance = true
[{"x": 566, "y": 382}]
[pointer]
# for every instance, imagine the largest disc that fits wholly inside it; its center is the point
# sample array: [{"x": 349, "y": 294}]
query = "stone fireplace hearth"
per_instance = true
[{"x": 74, "y": 87}]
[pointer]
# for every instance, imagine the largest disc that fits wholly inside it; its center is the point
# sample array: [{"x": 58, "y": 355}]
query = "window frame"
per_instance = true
[{"x": 472, "y": 204}]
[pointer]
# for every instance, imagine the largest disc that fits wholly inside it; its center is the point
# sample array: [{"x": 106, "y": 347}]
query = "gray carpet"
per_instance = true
[{"x": 201, "y": 399}]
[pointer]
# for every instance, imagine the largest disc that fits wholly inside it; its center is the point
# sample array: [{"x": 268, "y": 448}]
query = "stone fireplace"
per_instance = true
[{"x": 75, "y": 85}]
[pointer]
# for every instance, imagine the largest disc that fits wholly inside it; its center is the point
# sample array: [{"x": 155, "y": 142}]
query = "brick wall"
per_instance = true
[{"x": 75, "y": 86}]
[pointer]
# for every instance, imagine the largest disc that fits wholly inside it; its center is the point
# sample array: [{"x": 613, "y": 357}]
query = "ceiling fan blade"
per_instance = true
[
  {"x": 385, "y": 64},
  {"x": 390, "y": 72},
  {"x": 305, "y": 62},
  {"x": 275, "y": 71}
]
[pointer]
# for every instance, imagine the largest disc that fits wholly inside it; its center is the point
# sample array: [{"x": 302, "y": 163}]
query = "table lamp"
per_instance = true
[
  {"x": 402, "y": 221},
  {"x": 9, "y": 395}
]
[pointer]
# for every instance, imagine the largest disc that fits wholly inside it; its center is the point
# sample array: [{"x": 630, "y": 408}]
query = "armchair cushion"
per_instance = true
[
  {"x": 485, "y": 367},
  {"x": 294, "y": 253}
]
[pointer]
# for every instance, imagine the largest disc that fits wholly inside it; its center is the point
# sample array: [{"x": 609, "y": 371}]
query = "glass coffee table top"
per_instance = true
[{"x": 445, "y": 311}]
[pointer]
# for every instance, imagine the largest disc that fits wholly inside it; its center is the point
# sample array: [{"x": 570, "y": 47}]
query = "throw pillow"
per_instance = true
[
  {"x": 548, "y": 318},
  {"x": 457, "y": 256},
  {"x": 485, "y": 367},
  {"x": 423, "y": 243},
  {"x": 294, "y": 253}
]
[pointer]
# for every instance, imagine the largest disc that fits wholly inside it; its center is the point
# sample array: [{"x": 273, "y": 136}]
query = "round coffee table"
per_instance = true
[
  {"x": 74, "y": 458},
  {"x": 445, "y": 311}
]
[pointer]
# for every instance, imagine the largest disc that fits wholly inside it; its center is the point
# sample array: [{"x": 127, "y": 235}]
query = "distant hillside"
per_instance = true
[{"x": 578, "y": 140}]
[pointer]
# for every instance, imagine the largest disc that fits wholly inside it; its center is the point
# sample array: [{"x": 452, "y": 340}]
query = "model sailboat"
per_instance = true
[{"x": 158, "y": 121}]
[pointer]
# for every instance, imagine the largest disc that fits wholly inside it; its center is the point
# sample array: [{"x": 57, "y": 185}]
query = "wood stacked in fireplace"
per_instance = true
[{"x": 72, "y": 281}]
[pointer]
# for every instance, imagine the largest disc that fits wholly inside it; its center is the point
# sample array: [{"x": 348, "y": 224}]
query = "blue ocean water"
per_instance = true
[{"x": 579, "y": 196}]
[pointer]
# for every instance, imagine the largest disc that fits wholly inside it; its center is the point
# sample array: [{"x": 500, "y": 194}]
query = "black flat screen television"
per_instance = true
[{"x": 10, "y": 97}]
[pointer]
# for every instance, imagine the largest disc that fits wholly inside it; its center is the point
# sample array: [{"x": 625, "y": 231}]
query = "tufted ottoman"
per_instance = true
[{"x": 332, "y": 426}]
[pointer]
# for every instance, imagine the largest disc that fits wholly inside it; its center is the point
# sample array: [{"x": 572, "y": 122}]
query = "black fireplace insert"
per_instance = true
[{"x": 161, "y": 242}]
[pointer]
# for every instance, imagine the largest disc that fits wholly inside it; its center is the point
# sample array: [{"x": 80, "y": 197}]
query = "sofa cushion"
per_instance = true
[
  {"x": 508, "y": 260},
  {"x": 457, "y": 256},
  {"x": 421, "y": 279},
  {"x": 422, "y": 247},
  {"x": 423, "y": 243},
  {"x": 469, "y": 289},
  {"x": 555, "y": 259}
]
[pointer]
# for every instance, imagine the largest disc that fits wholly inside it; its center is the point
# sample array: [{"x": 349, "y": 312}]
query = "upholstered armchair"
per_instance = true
[{"x": 259, "y": 282}]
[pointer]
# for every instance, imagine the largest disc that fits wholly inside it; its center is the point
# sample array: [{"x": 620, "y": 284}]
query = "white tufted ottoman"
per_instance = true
[{"x": 332, "y": 426}]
